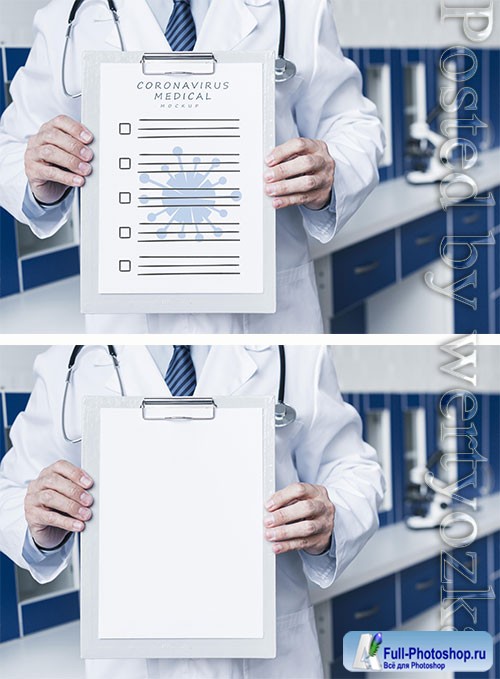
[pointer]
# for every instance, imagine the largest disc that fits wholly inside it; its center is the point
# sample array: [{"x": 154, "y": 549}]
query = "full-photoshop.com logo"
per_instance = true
[{"x": 366, "y": 654}]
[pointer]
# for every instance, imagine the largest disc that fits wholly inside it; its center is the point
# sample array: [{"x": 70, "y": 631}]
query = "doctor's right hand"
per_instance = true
[
  {"x": 57, "y": 157},
  {"x": 57, "y": 503}
]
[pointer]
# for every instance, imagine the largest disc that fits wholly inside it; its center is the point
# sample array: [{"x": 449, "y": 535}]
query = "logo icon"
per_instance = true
[
  {"x": 188, "y": 195},
  {"x": 366, "y": 654}
]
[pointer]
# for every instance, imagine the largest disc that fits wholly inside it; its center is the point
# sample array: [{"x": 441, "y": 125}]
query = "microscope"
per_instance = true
[
  {"x": 427, "y": 505},
  {"x": 423, "y": 152}
]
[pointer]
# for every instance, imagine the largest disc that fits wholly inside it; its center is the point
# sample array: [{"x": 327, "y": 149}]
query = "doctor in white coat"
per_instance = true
[
  {"x": 328, "y": 482},
  {"x": 329, "y": 138}
]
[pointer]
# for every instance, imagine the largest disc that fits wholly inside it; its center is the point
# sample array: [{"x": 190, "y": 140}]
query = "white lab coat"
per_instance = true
[
  {"x": 323, "y": 446},
  {"x": 323, "y": 101}
]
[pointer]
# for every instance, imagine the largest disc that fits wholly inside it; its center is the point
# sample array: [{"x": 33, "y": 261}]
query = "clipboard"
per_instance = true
[
  {"x": 174, "y": 560},
  {"x": 174, "y": 216}
]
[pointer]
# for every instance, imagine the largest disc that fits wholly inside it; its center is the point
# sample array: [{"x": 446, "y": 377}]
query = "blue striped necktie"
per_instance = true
[
  {"x": 181, "y": 29},
  {"x": 181, "y": 375}
]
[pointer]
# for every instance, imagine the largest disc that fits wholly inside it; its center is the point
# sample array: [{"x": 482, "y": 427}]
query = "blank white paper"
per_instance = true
[
  {"x": 181, "y": 526},
  {"x": 181, "y": 181}
]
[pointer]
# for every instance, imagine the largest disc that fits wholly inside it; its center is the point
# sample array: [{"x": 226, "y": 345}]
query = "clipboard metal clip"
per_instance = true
[
  {"x": 179, "y": 63},
  {"x": 178, "y": 408}
]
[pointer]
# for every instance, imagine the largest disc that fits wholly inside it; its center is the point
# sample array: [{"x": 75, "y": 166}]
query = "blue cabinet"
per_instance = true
[
  {"x": 338, "y": 671},
  {"x": 494, "y": 96},
  {"x": 9, "y": 274},
  {"x": 470, "y": 220},
  {"x": 463, "y": 619},
  {"x": 477, "y": 221},
  {"x": 496, "y": 209},
  {"x": 363, "y": 269},
  {"x": 51, "y": 267},
  {"x": 420, "y": 242},
  {"x": 481, "y": 422},
  {"x": 3, "y": 437},
  {"x": 420, "y": 588},
  {"x": 15, "y": 58},
  {"x": 370, "y": 607},
  {"x": 493, "y": 440},
  {"x": 495, "y": 580},
  {"x": 26, "y": 606},
  {"x": 383, "y": 429},
  {"x": 420, "y": 239},
  {"x": 25, "y": 260},
  {"x": 485, "y": 608},
  {"x": 9, "y": 621},
  {"x": 15, "y": 403},
  {"x": 9, "y": 615},
  {"x": 40, "y": 615},
  {"x": 489, "y": 90},
  {"x": 432, "y": 70},
  {"x": 381, "y": 68}
]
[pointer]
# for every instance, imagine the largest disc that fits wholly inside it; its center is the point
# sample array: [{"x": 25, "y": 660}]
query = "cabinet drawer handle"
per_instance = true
[
  {"x": 471, "y": 219},
  {"x": 366, "y": 268},
  {"x": 425, "y": 584},
  {"x": 425, "y": 240},
  {"x": 368, "y": 613}
]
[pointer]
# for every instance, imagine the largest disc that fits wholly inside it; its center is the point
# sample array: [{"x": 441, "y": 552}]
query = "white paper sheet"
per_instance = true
[
  {"x": 181, "y": 181},
  {"x": 181, "y": 526}
]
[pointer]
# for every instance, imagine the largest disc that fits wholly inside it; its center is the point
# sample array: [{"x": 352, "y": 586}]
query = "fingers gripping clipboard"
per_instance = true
[
  {"x": 174, "y": 216},
  {"x": 174, "y": 560}
]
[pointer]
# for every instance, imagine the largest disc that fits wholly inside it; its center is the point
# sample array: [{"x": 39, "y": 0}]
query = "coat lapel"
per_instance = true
[
  {"x": 139, "y": 372},
  {"x": 227, "y": 23},
  {"x": 141, "y": 32},
  {"x": 226, "y": 369}
]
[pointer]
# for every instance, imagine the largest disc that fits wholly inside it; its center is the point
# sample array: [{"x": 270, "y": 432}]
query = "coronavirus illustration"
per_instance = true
[{"x": 188, "y": 197}]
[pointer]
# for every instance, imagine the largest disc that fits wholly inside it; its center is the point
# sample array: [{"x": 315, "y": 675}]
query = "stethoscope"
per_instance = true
[
  {"x": 284, "y": 69},
  {"x": 284, "y": 414}
]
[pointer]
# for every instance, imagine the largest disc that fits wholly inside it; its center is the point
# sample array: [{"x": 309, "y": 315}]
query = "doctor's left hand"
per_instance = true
[
  {"x": 301, "y": 516},
  {"x": 301, "y": 172}
]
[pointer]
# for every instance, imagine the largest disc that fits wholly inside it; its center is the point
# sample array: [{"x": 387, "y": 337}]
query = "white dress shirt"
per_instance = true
[
  {"x": 162, "y": 9},
  {"x": 162, "y": 355}
]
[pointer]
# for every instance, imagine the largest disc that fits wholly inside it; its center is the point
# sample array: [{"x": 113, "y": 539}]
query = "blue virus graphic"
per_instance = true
[{"x": 188, "y": 197}]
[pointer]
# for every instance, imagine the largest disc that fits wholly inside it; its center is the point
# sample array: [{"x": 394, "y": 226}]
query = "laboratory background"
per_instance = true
[
  {"x": 371, "y": 276},
  {"x": 394, "y": 583}
]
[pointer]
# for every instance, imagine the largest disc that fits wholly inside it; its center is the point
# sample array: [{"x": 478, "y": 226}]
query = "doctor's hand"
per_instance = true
[
  {"x": 301, "y": 172},
  {"x": 57, "y": 503},
  {"x": 301, "y": 516},
  {"x": 57, "y": 158}
]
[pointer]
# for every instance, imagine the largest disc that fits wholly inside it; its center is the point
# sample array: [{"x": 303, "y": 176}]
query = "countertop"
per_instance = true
[
  {"x": 396, "y": 202},
  {"x": 396, "y": 547}
]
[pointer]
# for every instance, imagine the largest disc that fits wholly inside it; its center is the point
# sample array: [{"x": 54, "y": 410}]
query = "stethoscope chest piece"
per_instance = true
[
  {"x": 283, "y": 415},
  {"x": 284, "y": 70}
]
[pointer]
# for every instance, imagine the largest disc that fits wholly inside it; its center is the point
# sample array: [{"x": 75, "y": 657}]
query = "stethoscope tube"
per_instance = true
[
  {"x": 281, "y": 46},
  {"x": 69, "y": 376},
  {"x": 69, "y": 31},
  {"x": 283, "y": 413},
  {"x": 284, "y": 68}
]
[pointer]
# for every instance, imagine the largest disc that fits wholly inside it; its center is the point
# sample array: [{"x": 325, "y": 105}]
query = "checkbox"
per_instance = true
[
  {"x": 125, "y": 232},
  {"x": 125, "y": 128},
  {"x": 125, "y": 198},
  {"x": 125, "y": 265},
  {"x": 125, "y": 163}
]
